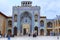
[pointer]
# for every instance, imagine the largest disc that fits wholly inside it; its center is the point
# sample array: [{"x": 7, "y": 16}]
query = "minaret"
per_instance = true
[{"x": 26, "y": 3}]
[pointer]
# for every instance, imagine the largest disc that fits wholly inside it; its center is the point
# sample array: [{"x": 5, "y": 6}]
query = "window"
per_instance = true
[
  {"x": 10, "y": 23},
  {"x": 49, "y": 24},
  {"x": 42, "y": 23},
  {"x": 15, "y": 18},
  {"x": 36, "y": 17}
]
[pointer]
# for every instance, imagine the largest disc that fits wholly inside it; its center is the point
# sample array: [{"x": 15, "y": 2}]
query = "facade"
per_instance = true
[
  {"x": 26, "y": 20},
  {"x": 4, "y": 23}
]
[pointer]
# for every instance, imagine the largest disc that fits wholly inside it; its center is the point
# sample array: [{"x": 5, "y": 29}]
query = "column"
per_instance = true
[
  {"x": 39, "y": 24},
  {"x": 18, "y": 32},
  {"x": 58, "y": 31},
  {"x": 18, "y": 24},
  {"x": 38, "y": 31},
  {"x": 32, "y": 23},
  {"x": 12, "y": 30},
  {"x": 13, "y": 25},
  {"x": 32, "y": 30},
  {"x": 45, "y": 32}
]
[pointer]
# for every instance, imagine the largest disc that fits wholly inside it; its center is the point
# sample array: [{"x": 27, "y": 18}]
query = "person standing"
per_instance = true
[
  {"x": 9, "y": 34},
  {"x": 8, "y": 37}
]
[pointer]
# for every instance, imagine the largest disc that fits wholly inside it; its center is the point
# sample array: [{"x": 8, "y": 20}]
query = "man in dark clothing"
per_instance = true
[{"x": 35, "y": 34}]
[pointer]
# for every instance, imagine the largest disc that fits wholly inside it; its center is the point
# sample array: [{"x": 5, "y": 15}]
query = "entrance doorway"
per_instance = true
[
  {"x": 9, "y": 32},
  {"x": 15, "y": 31},
  {"x": 49, "y": 32},
  {"x": 42, "y": 32},
  {"x": 24, "y": 31},
  {"x": 36, "y": 30}
]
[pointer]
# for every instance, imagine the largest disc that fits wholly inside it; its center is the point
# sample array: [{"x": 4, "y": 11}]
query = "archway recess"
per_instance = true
[
  {"x": 42, "y": 32},
  {"x": 15, "y": 31},
  {"x": 36, "y": 30},
  {"x": 25, "y": 22}
]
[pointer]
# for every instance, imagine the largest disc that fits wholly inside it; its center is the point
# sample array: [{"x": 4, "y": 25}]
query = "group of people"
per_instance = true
[
  {"x": 6, "y": 35},
  {"x": 10, "y": 35}
]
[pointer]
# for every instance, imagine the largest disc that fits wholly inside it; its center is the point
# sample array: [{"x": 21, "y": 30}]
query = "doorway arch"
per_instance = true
[
  {"x": 24, "y": 31},
  {"x": 36, "y": 29},
  {"x": 25, "y": 22},
  {"x": 42, "y": 32},
  {"x": 50, "y": 24},
  {"x": 42, "y": 23},
  {"x": 9, "y": 32},
  {"x": 15, "y": 31}
]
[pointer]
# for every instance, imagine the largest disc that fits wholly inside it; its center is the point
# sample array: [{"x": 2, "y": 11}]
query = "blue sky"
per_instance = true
[{"x": 49, "y": 8}]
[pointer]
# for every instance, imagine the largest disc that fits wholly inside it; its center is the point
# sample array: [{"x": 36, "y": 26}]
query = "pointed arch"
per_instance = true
[
  {"x": 41, "y": 23},
  {"x": 49, "y": 24},
  {"x": 15, "y": 31},
  {"x": 10, "y": 23},
  {"x": 15, "y": 17},
  {"x": 42, "y": 32}
]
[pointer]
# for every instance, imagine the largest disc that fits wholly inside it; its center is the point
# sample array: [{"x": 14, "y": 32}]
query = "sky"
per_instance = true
[{"x": 49, "y": 8}]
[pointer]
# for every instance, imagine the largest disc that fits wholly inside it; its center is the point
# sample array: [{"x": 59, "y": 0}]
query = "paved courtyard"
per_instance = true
[{"x": 33, "y": 38}]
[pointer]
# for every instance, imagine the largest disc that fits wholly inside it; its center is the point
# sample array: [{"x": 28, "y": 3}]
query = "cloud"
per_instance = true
[
  {"x": 48, "y": 7},
  {"x": 5, "y": 7}
]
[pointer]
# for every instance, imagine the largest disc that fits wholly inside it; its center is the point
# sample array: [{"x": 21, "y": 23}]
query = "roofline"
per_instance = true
[
  {"x": 42, "y": 16},
  {"x": 9, "y": 17},
  {"x": 5, "y": 15}
]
